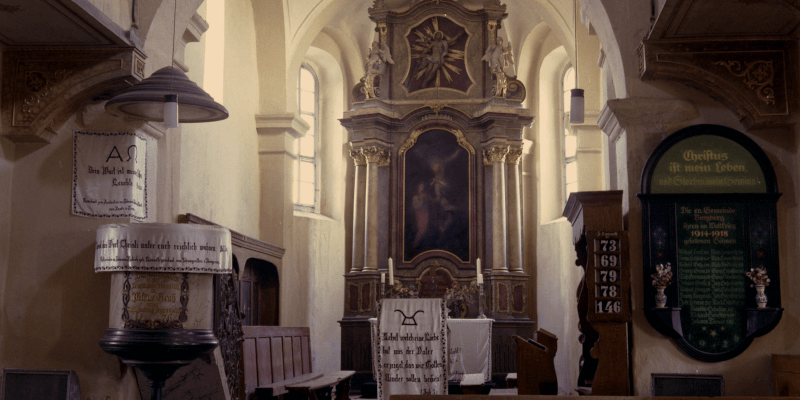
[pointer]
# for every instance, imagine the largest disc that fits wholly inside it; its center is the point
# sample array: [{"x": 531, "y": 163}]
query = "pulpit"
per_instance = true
[{"x": 436, "y": 137}]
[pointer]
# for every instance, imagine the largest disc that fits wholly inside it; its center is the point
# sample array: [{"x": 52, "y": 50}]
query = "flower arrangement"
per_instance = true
[
  {"x": 398, "y": 291},
  {"x": 456, "y": 295},
  {"x": 663, "y": 275},
  {"x": 758, "y": 276}
]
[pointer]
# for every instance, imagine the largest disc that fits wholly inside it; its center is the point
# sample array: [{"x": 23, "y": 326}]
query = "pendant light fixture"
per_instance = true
[
  {"x": 167, "y": 95},
  {"x": 576, "y": 99}
]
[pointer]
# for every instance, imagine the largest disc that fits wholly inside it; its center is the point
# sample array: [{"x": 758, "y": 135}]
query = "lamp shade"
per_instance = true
[
  {"x": 576, "y": 107},
  {"x": 145, "y": 100}
]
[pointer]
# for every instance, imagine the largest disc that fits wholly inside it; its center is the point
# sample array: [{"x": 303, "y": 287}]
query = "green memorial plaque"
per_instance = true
[
  {"x": 709, "y": 197},
  {"x": 707, "y": 164},
  {"x": 712, "y": 285}
]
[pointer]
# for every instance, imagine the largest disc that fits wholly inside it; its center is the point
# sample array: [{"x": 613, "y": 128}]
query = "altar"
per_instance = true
[
  {"x": 469, "y": 347},
  {"x": 436, "y": 138}
]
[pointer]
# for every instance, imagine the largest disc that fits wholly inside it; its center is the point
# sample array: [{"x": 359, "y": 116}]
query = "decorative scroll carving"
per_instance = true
[
  {"x": 41, "y": 88},
  {"x": 514, "y": 155},
  {"x": 358, "y": 157},
  {"x": 757, "y": 75},
  {"x": 435, "y": 106},
  {"x": 229, "y": 332},
  {"x": 412, "y": 140},
  {"x": 494, "y": 154},
  {"x": 752, "y": 81},
  {"x": 377, "y": 155}
]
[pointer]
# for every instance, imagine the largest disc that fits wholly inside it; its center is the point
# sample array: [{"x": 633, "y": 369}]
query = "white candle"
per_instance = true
[
  {"x": 383, "y": 278},
  {"x": 480, "y": 275},
  {"x": 391, "y": 272}
]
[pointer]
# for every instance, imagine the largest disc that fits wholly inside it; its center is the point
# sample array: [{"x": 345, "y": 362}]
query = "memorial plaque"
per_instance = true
[
  {"x": 712, "y": 287},
  {"x": 709, "y": 197}
]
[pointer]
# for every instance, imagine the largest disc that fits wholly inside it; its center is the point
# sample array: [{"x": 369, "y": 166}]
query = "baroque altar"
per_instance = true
[{"x": 436, "y": 131}]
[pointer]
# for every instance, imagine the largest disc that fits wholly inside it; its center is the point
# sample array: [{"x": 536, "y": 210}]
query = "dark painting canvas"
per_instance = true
[{"x": 436, "y": 196}]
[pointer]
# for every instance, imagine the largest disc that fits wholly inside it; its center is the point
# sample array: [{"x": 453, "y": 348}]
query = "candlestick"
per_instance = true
[
  {"x": 383, "y": 277},
  {"x": 480, "y": 279},
  {"x": 391, "y": 272},
  {"x": 480, "y": 300}
]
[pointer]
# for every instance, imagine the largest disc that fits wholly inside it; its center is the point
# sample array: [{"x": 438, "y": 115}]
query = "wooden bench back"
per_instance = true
[{"x": 272, "y": 354}]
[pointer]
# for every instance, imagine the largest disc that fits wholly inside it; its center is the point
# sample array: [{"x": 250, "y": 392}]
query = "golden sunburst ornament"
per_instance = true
[{"x": 434, "y": 59}]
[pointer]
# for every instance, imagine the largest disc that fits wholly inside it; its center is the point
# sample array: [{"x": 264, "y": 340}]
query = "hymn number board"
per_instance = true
[{"x": 608, "y": 276}]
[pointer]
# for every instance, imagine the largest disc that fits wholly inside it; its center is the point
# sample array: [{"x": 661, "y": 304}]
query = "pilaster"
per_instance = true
[
  {"x": 495, "y": 155},
  {"x": 376, "y": 157},
  {"x": 514, "y": 209},
  {"x": 359, "y": 204}
]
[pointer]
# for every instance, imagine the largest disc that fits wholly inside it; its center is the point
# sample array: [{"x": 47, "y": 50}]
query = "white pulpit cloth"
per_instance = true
[
  {"x": 411, "y": 347},
  {"x": 470, "y": 347}
]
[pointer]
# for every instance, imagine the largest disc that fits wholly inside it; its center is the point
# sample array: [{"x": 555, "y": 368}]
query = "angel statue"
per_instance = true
[
  {"x": 499, "y": 58},
  {"x": 377, "y": 59}
]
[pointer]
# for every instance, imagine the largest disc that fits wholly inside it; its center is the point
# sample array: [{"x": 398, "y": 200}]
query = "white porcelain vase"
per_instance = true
[
  {"x": 661, "y": 298},
  {"x": 761, "y": 297}
]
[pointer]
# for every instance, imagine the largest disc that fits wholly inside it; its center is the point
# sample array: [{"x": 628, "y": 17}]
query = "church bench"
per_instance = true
[{"x": 277, "y": 362}]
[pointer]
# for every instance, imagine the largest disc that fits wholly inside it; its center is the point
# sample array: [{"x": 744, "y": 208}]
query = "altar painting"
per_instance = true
[{"x": 436, "y": 196}]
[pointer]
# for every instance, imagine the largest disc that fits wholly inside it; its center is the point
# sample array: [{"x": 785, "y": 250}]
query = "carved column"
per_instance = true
[
  {"x": 376, "y": 157},
  {"x": 359, "y": 198},
  {"x": 514, "y": 210},
  {"x": 495, "y": 156}
]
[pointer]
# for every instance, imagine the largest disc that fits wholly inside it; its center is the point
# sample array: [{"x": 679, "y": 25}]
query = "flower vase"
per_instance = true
[
  {"x": 761, "y": 297},
  {"x": 661, "y": 298}
]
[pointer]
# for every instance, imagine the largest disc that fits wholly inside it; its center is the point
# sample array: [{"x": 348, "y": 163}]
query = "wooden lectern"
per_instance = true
[{"x": 536, "y": 372}]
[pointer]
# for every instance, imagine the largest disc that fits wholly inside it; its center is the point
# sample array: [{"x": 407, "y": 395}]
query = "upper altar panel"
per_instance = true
[{"x": 438, "y": 50}]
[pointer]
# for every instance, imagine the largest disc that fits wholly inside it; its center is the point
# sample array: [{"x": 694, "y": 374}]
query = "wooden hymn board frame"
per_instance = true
[
  {"x": 709, "y": 196},
  {"x": 608, "y": 277}
]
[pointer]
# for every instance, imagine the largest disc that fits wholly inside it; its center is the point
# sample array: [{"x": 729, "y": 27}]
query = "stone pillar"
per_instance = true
[
  {"x": 359, "y": 199},
  {"x": 514, "y": 210},
  {"x": 495, "y": 155},
  {"x": 375, "y": 157}
]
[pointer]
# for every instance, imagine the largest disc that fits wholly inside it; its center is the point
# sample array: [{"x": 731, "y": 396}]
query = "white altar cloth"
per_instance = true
[{"x": 470, "y": 347}]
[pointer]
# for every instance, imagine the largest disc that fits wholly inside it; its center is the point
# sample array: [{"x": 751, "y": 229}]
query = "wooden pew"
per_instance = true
[{"x": 277, "y": 362}]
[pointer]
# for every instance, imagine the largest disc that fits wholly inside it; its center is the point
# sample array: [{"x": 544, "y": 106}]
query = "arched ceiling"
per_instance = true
[{"x": 308, "y": 17}]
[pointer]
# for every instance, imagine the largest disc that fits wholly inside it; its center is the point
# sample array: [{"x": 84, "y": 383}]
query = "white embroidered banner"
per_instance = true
[
  {"x": 412, "y": 347},
  {"x": 153, "y": 247},
  {"x": 470, "y": 347},
  {"x": 109, "y": 178}
]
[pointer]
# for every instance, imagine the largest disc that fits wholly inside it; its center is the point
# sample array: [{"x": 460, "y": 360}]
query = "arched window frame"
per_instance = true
[
  {"x": 569, "y": 140},
  {"x": 306, "y": 169}
]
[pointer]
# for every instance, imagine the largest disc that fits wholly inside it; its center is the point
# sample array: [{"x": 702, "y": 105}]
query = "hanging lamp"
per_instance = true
[
  {"x": 171, "y": 90},
  {"x": 576, "y": 99},
  {"x": 167, "y": 96}
]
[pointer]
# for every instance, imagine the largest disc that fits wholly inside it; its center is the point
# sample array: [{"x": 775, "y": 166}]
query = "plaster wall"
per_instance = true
[
  {"x": 557, "y": 281},
  {"x": 747, "y": 374},
  {"x": 55, "y": 306},
  {"x": 321, "y": 252},
  {"x": 219, "y": 160}
]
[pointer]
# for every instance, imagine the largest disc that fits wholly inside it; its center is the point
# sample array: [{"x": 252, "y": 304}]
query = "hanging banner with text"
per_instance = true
[
  {"x": 109, "y": 178},
  {"x": 153, "y": 247},
  {"x": 412, "y": 347}
]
